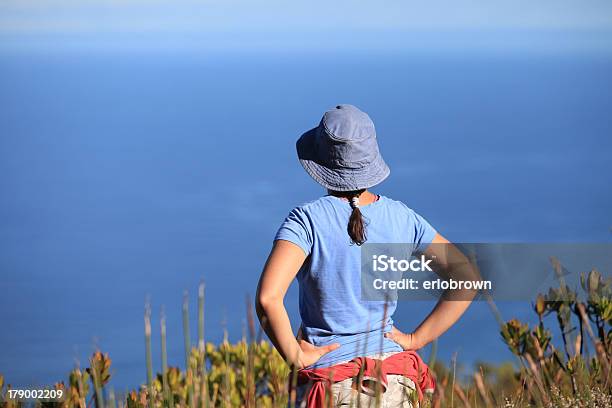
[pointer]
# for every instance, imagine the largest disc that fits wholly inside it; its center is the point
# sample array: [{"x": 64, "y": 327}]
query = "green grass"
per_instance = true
[{"x": 250, "y": 373}]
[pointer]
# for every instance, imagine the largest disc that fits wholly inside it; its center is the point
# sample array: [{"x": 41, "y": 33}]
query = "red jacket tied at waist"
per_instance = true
[{"x": 406, "y": 363}]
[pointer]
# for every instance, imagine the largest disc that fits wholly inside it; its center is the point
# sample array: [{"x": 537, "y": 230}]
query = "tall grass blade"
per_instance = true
[
  {"x": 201, "y": 316},
  {"x": 204, "y": 400},
  {"x": 187, "y": 337},
  {"x": 454, "y": 365},
  {"x": 164, "y": 357},
  {"x": 433, "y": 353},
  {"x": 250, "y": 362},
  {"x": 186, "y": 334},
  {"x": 148, "y": 356},
  {"x": 111, "y": 399}
]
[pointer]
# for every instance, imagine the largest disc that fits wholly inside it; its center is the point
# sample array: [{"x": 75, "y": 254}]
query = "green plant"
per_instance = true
[{"x": 251, "y": 373}]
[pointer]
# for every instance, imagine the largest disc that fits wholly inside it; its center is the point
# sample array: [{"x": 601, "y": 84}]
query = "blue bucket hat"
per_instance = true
[{"x": 341, "y": 153}]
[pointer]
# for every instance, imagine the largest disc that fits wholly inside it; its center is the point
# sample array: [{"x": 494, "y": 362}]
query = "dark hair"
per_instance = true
[{"x": 356, "y": 227}]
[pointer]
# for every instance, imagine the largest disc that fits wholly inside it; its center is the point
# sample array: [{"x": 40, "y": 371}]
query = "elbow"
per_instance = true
[{"x": 265, "y": 302}]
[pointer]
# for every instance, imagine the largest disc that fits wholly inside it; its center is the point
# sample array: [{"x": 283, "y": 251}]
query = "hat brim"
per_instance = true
[{"x": 339, "y": 179}]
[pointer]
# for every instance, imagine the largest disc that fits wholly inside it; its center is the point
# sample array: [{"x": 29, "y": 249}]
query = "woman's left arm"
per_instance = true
[
  {"x": 281, "y": 268},
  {"x": 450, "y": 262}
]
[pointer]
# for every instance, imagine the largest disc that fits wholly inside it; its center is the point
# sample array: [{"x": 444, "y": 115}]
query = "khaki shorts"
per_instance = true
[{"x": 400, "y": 392}]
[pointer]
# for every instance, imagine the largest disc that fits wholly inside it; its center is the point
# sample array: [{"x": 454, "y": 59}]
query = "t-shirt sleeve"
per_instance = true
[
  {"x": 297, "y": 229},
  {"x": 424, "y": 233}
]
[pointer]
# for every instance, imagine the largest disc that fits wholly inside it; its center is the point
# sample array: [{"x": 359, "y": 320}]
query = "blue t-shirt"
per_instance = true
[{"x": 330, "y": 278}]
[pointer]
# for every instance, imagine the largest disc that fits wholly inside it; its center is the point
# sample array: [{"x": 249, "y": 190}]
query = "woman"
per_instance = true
[{"x": 319, "y": 243}]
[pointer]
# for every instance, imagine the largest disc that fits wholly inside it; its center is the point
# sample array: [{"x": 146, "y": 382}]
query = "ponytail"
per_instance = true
[{"x": 356, "y": 226}]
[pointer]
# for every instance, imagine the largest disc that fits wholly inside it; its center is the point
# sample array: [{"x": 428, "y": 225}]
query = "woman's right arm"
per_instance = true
[{"x": 282, "y": 266}]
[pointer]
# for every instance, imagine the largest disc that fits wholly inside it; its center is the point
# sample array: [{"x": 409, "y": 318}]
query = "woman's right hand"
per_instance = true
[
  {"x": 310, "y": 354},
  {"x": 407, "y": 341}
]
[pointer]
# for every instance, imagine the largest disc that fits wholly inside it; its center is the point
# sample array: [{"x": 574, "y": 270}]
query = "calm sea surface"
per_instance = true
[{"x": 127, "y": 176}]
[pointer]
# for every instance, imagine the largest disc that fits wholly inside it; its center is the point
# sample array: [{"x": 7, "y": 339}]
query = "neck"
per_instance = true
[{"x": 365, "y": 197}]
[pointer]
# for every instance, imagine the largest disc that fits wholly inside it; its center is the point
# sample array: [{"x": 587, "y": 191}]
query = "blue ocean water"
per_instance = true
[{"x": 124, "y": 176}]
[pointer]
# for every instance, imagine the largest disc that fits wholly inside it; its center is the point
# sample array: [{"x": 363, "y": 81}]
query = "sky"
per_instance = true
[{"x": 556, "y": 25}]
